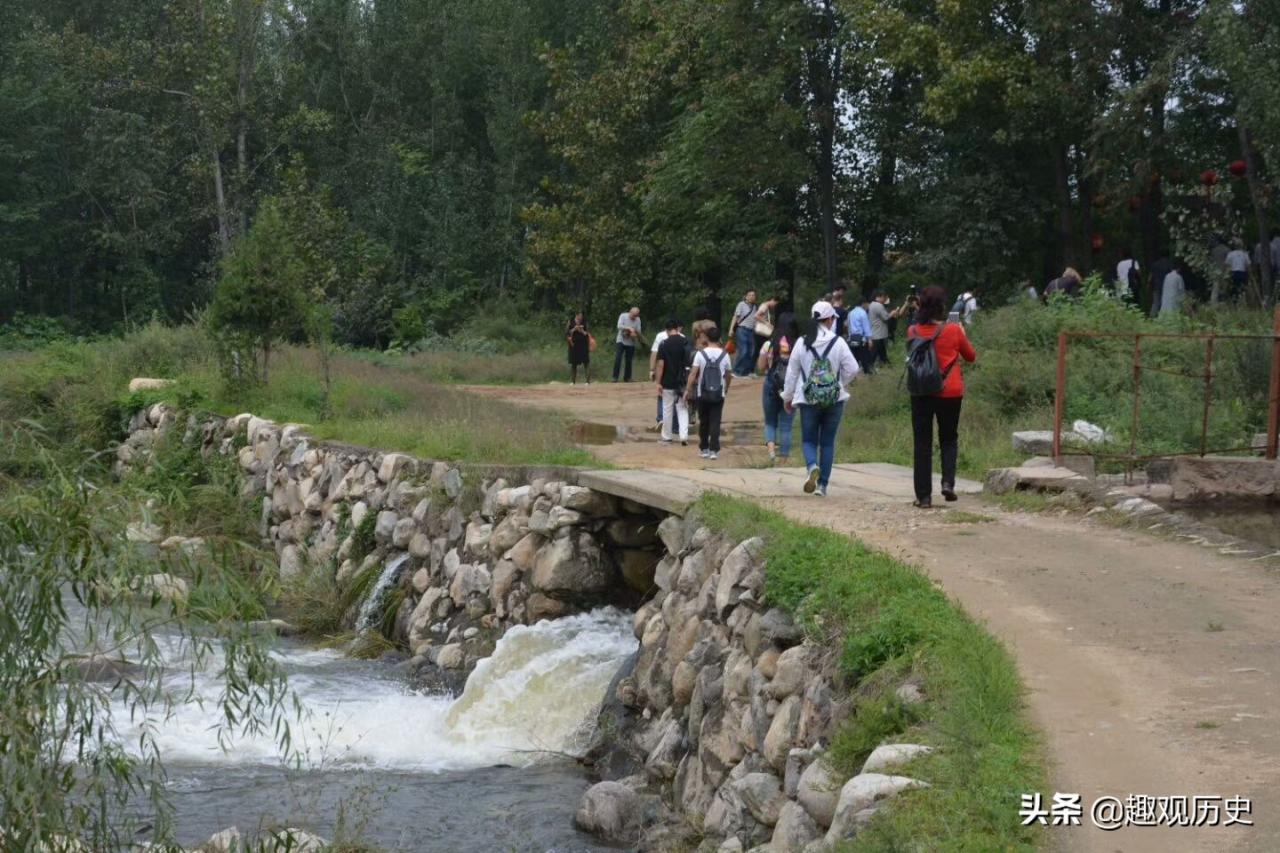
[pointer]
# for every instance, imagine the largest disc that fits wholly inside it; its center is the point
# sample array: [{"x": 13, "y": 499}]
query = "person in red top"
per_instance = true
[{"x": 951, "y": 345}]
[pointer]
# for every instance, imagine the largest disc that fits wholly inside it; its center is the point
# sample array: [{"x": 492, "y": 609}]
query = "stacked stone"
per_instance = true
[
  {"x": 480, "y": 556},
  {"x": 723, "y": 720}
]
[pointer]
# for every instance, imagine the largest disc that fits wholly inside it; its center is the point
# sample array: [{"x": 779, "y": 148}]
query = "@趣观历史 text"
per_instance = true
[{"x": 1109, "y": 813}]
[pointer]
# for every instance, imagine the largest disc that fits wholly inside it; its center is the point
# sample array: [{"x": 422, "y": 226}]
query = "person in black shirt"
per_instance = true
[{"x": 671, "y": 373}]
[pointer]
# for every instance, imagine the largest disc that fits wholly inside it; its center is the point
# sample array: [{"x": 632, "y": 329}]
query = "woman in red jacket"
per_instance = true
[{"x": 951, "y": 345}]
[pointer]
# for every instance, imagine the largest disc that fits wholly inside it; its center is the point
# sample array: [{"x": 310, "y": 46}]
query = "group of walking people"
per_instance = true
[{"x": 809, "y": 370}]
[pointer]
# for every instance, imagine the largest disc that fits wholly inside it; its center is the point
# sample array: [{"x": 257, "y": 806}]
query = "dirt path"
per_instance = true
[{"x": 1151, "y": 665}]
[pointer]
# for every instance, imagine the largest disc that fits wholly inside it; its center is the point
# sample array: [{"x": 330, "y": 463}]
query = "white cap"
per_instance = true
[{"x": 822, "y": 310}]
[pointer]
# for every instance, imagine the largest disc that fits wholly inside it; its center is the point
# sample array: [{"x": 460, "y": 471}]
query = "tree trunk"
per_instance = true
[
  {"x": 712, "y": 281},
  {"x": 1087, "y": 254},
  {"x": 224, "y": 232},
  {"x": 886, "y": 177},
  {"x": 825, "y": 65},
  {"x": 1251, "y": 159},
  {"x": 1062, "y": 198}
]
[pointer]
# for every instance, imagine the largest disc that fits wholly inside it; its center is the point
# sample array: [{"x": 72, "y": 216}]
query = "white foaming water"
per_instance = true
[
  {"x": 535, "y": 693},
  {"x": 372, "y": 607}
]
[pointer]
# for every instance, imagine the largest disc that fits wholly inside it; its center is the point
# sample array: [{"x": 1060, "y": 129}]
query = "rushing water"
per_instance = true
[{"x": 417, "y": 772}]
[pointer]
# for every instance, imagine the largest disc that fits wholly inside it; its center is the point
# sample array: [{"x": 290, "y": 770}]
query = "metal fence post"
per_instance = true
[
  {"x": 1273, "y": 400},
  {"x": 1059, "y": 397}
]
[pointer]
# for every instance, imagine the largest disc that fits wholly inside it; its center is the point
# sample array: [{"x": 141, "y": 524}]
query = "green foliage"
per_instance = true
[
  {"x": 27, "y": 331},
  {"x": 362, "y": 537},
  {"x": 65, "y": 772},
  {"x": 893, "y": 621}
]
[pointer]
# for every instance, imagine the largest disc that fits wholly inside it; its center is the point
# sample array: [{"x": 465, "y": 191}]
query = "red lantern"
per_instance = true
[
  {"x": 1097, "y": 242},
  {"x": 1209, "y": 177},
  {"x": 1238, "y": 168},
  {"x": 1135, "y": 203}
]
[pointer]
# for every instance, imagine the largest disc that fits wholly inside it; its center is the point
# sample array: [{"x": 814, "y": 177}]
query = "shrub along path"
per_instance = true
[{"x": 1150, "y": 664}]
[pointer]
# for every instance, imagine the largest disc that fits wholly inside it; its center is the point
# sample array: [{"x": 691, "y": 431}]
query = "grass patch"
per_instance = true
[
  {"x": 890, "y": 621},
  {"x": 1029, "y": 500},
  {"x": 960, "y": 516},
  {"x": 1214, "y": 627},
  {"x": 79, "y": 390},
  {"x": 1208, "y": 725}
]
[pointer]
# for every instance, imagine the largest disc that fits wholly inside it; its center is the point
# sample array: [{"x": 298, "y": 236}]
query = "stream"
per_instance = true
[{"x": 407, "y": 771}]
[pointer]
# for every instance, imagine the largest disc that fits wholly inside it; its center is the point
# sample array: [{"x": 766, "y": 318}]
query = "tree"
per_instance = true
[{"x": 261, "y": 297}]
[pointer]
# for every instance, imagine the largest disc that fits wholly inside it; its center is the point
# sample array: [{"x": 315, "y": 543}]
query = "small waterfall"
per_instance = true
[
  {"x": 542, "y": 683},
  {"x": 374, "y": 604},
  {"x": 535, "y": 693}
]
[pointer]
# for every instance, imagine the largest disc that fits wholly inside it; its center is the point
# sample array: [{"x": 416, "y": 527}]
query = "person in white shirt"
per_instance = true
[
  {"x": 709, "y": 364},
  {"x": 1238, "y": 262},
  {"x": 653, "y": 366},
  {"x": 1124, "y": 290},
  {"x": 1172, "y": 293},
  {"x": 819, "y": 417}
]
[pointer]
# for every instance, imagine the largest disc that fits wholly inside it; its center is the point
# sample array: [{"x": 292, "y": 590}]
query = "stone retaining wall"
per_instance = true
[{"x": 715, "y": 729}]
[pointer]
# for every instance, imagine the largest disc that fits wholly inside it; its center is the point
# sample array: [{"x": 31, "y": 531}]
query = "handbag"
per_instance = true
[
  {"x": 764, "y": 328},
  {"x": 591, "y": 343},
  {"x": 731, "y": 347}
]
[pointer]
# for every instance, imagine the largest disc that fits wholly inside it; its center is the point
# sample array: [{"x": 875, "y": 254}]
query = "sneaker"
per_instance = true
[
  {"x": 704, "y": 453},
  {"x": 684, "y": 444},
  {"x": 820, "y": 492},
  {"x": 713, "y": 455},
  {"x": 923, "y": 503},
  {"x": 811, "y": 482},
  {"x": 666, "y": 442},
  {"x": 773, "y": 456},
  {"x": 949, "y": 492}
]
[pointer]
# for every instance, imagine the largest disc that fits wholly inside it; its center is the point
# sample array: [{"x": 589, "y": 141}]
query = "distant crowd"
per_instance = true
[{"x": 803, "y": 370}]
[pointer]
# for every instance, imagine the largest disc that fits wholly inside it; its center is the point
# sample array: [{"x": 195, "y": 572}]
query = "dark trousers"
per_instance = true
[
  {"x": 862, "y": 354},
  {"x": 879, "y": 352},
  {"x": 623, "y": 353},
  {"x": 709, "y": 425},
  {"x": 924, "y": 410}
]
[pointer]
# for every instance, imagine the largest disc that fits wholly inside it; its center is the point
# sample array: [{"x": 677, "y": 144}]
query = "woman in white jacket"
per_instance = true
[{"x": 820, "y": 393}]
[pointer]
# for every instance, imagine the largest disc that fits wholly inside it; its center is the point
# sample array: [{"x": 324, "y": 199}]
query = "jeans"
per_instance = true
[
  {"x": 660, "y": 415},
  {"x": 818, "y": 429},
  {"x": 622, "y": 352},
  {"x": 744, "y": 363},
  {"x": 709, "y": 425},
  {"x": 673, "y": 405},
  {"x": 777, "y": 420},
  {"x": 924, "y": 410}
]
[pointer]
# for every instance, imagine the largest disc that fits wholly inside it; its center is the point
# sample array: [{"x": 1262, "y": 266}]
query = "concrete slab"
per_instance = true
[
  {"x": 672, "y": 490},
  {"x": 665, "y": 490}
]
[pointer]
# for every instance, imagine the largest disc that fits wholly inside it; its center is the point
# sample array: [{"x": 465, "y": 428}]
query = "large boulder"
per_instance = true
[
  {"x": 739, "y": 572},
  {"x": 890, "y": 755},
  {"x": 467, "y": 580},
  {"x": 782, "y": 732},
  {"x": 612, "y": 811},
  {"x": 762, "y": 794},
  {"x": 859, "y": 794},
  {"x": 572, "y": 566},
  {"x": 818, "y": 791},
  {"x": 794, "y": 829},
  {"x": 587, "y": 501}
]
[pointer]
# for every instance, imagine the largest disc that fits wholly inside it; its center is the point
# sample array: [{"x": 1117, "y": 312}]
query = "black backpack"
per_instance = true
[
  {"x": 778, "y": 369},
  {"x": 924, "y": 377}
]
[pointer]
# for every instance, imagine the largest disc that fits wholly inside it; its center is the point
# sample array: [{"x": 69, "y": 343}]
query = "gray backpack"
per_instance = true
[{"x": 711, "y": 381}]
